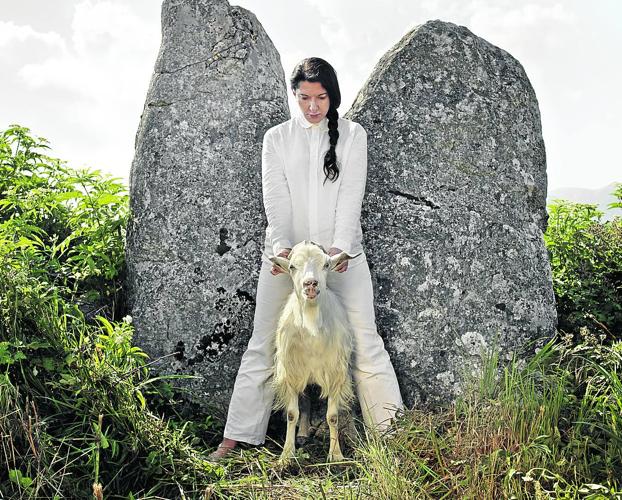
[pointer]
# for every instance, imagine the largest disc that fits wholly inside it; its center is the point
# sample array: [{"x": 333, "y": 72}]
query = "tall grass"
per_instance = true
[
  {"x": 548, "y": 428},
  {"x": 71, "y": 408}
]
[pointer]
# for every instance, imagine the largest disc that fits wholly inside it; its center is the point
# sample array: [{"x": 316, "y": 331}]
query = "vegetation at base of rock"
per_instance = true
[{"x": 78, "y": 408}]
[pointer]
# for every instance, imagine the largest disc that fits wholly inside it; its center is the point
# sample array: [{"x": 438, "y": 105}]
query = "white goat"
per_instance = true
[{"x": 314, "y": 343}]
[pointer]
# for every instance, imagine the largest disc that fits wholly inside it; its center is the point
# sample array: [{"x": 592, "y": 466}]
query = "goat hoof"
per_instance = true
[
  {"x": 301, "y": 440},
  {"x": 286, "y": 463},
  {"x": 336, "y": 457},
  {"x": 287, "y": 455}
]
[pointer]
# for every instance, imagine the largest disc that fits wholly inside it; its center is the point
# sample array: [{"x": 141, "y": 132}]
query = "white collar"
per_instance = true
[{"x": 303, "y": 122}]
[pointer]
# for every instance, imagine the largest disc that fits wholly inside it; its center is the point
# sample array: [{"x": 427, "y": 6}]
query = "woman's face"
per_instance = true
[{"x": 313, "y": 100}]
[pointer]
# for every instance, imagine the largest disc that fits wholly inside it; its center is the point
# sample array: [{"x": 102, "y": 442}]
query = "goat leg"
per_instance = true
[
  {"x": 305, "y": 422},
  {"x": 332, "y": 417},
  {"x": 289, "y": 448}
]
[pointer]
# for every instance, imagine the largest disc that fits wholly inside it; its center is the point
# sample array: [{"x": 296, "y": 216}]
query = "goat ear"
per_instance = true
[
  {"x": 335, "y": 260},
  {"x": 281, "y": 262}
]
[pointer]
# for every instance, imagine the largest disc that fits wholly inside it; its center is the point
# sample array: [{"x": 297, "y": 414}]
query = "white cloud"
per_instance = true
[
  {"x": 107, "y": 41},
  {"x": 100, "y": 74},
  {"x": 11, "y": 33},
  {"x": 102, "y": 24}
]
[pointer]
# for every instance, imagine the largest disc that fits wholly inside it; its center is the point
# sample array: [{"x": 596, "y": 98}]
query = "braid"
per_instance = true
[{"x": 331, "y": 168}]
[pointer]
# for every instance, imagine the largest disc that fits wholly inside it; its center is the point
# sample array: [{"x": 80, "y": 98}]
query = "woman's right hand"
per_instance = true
[{"x": 283, "y": 253}]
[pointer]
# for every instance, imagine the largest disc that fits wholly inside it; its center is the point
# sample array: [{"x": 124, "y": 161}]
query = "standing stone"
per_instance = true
[
  {"x": 197, "y": 222},
  {"x": 455, "y": 207}
]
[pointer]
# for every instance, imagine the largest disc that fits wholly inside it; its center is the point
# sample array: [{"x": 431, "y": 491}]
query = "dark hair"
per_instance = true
[{"x": 315, "y": 69}]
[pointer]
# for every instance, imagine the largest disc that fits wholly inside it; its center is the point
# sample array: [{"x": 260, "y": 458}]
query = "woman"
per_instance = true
[{"x": 314, "y": 169}]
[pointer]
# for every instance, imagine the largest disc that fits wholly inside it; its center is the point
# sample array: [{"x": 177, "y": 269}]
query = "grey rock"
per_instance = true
[
  {"x": 454, "y": 210},
  {"x": 197, "y": 223}
]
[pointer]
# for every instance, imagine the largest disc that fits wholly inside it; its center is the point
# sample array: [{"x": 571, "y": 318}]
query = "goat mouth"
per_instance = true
[{"x": 311, "y": 294}]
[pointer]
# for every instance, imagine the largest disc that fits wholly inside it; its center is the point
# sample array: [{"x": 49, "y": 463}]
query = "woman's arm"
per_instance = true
[
  {"x": 351, "y": 191},
  {"x": 276, "y": 197}
]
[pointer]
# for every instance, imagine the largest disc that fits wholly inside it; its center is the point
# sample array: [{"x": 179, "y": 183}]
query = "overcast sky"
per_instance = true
[{"x": 77, "y": 71}]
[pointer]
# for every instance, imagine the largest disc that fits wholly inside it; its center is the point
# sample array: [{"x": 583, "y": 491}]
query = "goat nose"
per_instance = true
[{"x": 310, "y": 283}]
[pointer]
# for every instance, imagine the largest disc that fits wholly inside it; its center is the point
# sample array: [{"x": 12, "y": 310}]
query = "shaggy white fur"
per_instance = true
[{"x": 314, "y": 343}]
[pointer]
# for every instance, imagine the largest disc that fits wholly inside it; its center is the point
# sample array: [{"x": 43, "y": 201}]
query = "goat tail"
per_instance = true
[{"x": 281, "y": 396}]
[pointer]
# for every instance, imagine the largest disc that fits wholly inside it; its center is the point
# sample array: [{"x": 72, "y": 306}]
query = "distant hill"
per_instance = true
[{"x": 600, "y": 196}]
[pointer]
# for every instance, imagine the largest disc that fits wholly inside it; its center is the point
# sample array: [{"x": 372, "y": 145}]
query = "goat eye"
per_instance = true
[{"x": 291, "y": 267}]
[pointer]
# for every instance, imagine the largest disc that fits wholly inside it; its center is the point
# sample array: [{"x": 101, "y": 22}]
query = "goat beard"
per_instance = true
[{"x": 310, "y": 317}]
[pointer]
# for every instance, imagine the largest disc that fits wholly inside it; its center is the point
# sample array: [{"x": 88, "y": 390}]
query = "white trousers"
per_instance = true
[{"x": 374, "y": 378}]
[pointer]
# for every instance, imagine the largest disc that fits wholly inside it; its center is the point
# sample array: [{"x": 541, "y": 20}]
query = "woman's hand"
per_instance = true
[
  {"x": 283, "y": 253},
  {"x": 343, "y": 267}
]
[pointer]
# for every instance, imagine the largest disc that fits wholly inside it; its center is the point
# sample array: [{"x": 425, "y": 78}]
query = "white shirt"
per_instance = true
[{"x": 298, "y": 205}]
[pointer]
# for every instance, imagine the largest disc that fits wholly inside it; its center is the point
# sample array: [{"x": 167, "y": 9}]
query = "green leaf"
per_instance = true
[
  {"x": 141, "y": 399},
  {"x": 19, "y": 355},
  {"x": 15, "y": 475},
  {"x": 48, "y": 363},
  {"x": 25, "y": 482},
  {"x": 107, "y": 199},
  {"x": 69, "y": 195}
]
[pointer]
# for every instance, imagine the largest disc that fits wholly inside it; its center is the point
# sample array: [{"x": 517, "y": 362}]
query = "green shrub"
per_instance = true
[
  {"x": 73, "y": 414},
  {"x": 66, "y": 226},
  {"x": 586, "y": 263}
]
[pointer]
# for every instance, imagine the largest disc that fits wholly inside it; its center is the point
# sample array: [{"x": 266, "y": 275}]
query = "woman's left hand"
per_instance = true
[{"x": 343, "y": 267}]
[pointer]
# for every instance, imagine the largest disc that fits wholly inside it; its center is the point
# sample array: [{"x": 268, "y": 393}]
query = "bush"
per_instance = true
[
  {"x": 73, "y": 414},
  {"x": 586, "y": 262},
  {"x": 65, "y": 226}
]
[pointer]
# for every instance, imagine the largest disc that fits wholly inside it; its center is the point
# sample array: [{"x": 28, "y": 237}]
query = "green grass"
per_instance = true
[
  {"x": 71, "y": 409},
  {"x": 526, "y": 433}
]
